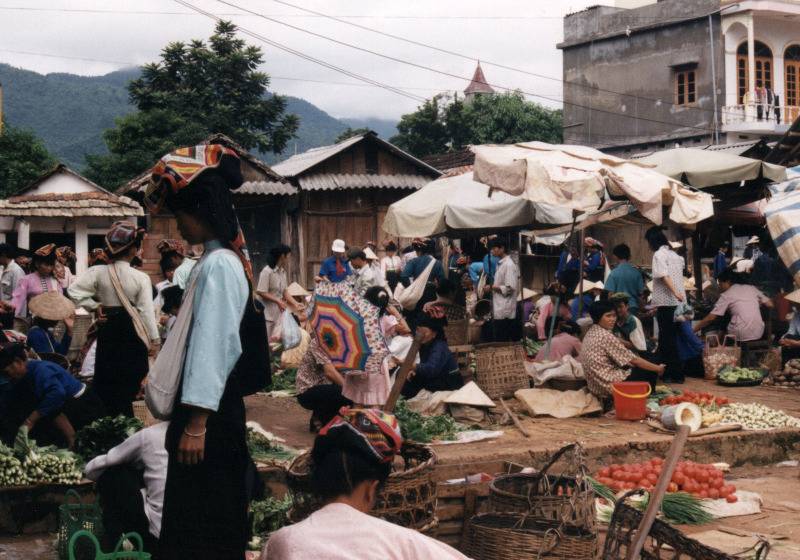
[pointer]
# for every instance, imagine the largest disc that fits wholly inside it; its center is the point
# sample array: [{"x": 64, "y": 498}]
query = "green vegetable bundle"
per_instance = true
[
  {"x": 739, "y": 374},
  {"x": 46, "y": 465},
  {"x": 12, "y": 473},
  {"x": 678, "y": 508},
  {"x": 262, "y": 449},
  {"x": 283, "y": 380},
  {"x": 424, "y": 429},
  {"x": 101, "y": 435}
]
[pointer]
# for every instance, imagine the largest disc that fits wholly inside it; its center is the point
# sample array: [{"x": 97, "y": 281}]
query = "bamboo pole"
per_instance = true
[{"x": 402, "y": 375}]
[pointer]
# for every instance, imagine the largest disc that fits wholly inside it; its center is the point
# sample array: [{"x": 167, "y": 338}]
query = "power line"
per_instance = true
[
  {"x": 307, "y": 57},
  {"x": 449, "y": 74},
  {"x": 473, "y": 58}
]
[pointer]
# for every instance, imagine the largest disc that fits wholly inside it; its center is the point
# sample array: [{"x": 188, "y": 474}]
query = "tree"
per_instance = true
[
  {"x": 23, "y": 158},
  {"x": 350, "y": 132},
  {"x": 197, "y": 89},
  {"x": 438, "y": 127}
]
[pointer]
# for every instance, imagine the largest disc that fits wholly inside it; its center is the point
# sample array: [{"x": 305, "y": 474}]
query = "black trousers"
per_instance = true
[
  {"x": 324, "y": 401},
  {"x": 668, "y": 343},
  {"x": 120, "y": 364},
  {"x": 205, "y": 505},
  {"x": 119, "y": 488},
  {"x": 639, "y": 374},
  {"x": 504, "y": 330}
]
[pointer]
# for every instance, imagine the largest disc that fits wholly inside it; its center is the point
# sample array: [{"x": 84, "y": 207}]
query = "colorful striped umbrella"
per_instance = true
[{"x": 347, "y": 328}]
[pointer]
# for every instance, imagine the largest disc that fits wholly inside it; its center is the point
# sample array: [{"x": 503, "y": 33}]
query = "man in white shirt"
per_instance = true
[
  {"x": 12, "y": 273},
  {"x": 504, "y": 294},
  {"x": 140, "y": 460},
  {"x": 365, "y": 274}
]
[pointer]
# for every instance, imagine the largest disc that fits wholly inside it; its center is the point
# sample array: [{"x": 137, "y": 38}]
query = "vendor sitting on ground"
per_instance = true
[
  {"x": 319, "y": 386},
  {"x": 743, "y": 301},
  {"x": 350, "y": 462},
  {"x": 564, "y": 343},
  {"x": 606, "y": 360},
  {"x": 437, "y": 369},
  {"x": 628, "y": 326},
  {"x": 47, "y": 310},
  {"x": 62, "y": 403},
  {"x": 130, "y": 484},
  {"x": 790, "y": 342}
]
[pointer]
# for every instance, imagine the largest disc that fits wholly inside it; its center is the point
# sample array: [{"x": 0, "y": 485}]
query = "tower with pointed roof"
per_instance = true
[{"x": 478, "y": 85}]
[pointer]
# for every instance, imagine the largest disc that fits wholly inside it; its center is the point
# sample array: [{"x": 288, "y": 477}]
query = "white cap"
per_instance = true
[{"x": 338, "y": 246}]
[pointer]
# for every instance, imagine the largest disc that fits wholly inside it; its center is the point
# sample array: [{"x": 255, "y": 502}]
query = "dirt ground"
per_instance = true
[{"x": 605, "y": 439}]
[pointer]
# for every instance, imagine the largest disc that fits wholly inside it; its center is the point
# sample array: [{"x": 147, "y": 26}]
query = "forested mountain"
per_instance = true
[{"x": 69, "y": 113}]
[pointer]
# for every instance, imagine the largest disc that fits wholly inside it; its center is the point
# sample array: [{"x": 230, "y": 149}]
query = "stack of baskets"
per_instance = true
[
  {"x": 538, "y": 515},
  {"x": 664, "y": 542},
  {"x": 500, "y": 369},
  {"x": 408, "y": 498}
]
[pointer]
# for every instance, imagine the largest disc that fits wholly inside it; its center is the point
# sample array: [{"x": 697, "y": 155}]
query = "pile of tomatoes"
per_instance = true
[
  {"x": 702, "y": 481},
  {"x": 700, "y": 399}
]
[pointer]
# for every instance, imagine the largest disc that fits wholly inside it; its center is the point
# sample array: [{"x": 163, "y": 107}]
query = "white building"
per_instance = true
[{"x": 65, "y": 208}]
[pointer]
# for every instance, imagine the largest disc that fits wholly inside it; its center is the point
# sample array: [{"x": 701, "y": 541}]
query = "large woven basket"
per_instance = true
[
  {"x": 456, "y": 332},
  {"x": 664, "y": 542},
  {"x": 500, "y": 369},
  {"x": 408, "y": 498},
  {"x": 567, "y": 498},
  {"x": 507, "y": 536}
]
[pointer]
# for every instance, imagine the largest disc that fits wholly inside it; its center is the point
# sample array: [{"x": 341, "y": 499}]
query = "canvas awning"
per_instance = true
[
  {"x": 584, "y": 179},
  {"x": 706, "y": 168},
  {"x": 783, "y": 222}
]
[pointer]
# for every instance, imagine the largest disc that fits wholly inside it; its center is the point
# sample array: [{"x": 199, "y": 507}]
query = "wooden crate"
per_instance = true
[{"x": 455, "y": 502}]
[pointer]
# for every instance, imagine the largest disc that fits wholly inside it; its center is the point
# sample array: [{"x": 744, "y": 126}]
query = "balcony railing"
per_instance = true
[{"x": 762, "y": 115}]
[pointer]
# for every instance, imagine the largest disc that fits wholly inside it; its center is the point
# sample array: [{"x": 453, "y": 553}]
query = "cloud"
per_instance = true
[{"x": 526, "y": 41}]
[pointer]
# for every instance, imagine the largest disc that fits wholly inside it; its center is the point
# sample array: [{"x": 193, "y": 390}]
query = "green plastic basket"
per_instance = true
[
  {"x": 74, "y": 516},
  {"x": 118, "y": 554}
]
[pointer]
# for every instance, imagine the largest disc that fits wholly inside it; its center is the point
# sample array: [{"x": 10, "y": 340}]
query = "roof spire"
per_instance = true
[{"x": 478, "y": 85}]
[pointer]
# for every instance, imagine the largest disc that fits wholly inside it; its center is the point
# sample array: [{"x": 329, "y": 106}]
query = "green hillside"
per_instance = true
[{"x": 71, "y": 112}]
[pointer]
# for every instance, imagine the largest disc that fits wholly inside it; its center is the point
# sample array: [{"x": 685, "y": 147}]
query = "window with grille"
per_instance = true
[{"x": 685, "y": 88}]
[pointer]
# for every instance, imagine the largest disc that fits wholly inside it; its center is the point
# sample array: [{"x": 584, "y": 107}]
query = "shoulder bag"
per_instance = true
[{"x": 138, "y": 324}]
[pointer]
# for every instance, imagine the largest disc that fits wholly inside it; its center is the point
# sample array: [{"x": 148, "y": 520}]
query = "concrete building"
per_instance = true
[{"x": 648, "y": 75}]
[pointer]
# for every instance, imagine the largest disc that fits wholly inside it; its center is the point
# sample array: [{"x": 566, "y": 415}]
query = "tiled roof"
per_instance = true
[
  {"x": 478, "y": 83},
  {"x": 70, "y": 205},
  {"x": 336, "y": 181}
]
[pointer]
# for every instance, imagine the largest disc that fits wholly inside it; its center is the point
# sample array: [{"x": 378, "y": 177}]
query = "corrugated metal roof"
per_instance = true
[
  {"x": 266, "y": 188},
  {"x": 334, "y": 181},
  {"x": 736, "y": 149},
  {"x": 308, "y": 159}
]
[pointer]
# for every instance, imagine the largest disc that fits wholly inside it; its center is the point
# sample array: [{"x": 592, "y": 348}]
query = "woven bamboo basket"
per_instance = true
[
  {"x": 508, "y": 536},
  {"x": 141, "y": 412},
  {"x": 408, "y": 498},
  {"x": 500, "y": 369},
  {"x": 567, "y": 498},
  {"x": 664, "y": 542},
  {"x": 456, "y": 332}
]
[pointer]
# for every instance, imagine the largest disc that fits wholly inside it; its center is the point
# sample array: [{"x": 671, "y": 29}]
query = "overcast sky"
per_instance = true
[{"x": 516, "y": 33}]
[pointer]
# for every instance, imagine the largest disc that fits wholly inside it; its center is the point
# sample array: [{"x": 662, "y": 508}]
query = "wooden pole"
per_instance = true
[
  {"x": 697, "y": 264},
  {"x": 673, "y": 455},
  {"x": 580, "y": 274},
  {"x": 514, "y": 419},
  {"x": 402, "y": 375}
]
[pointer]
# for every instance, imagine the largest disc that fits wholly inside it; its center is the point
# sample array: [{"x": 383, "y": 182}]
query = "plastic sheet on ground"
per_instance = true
[
  {"x": 558, "y": 404},
  {"x": 471, "y": 436}
]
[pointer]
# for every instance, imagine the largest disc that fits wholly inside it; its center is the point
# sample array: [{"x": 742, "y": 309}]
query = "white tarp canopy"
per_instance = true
[
  {"x": 708, "y": 168},
  {"x": 582, "y": 178}
]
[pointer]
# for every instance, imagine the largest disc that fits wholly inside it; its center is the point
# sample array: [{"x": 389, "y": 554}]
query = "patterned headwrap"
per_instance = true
[
  {"x": 98, "y": 255},
  {"x": 45, "y": 251},
  {"x": 122, "y": 236},
  {"x": 170, "y": 246},
  {"x": 371, "y": 430},
  {"x": 65, "y": 254},
  {"x": 179, "y": 169}
]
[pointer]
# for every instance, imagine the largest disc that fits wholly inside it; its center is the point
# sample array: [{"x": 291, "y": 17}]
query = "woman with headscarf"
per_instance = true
[
  {"x": 205, "y": 499},
  {"x": 127, "y": 329},
  {"x": 351, "y": 461},
  {"x": 65, "y": 258},
  {"x": 437, "y": 369},
  {"x": 38, "y": 282}
]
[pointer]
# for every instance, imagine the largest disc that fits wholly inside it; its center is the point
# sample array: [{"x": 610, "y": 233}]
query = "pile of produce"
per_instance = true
[
  {"x": 262, "y": 449},
  {"x": 703, "y": 400},
  {"x": 789, "y": 377},
  {"x": 11, "y": 471},
  {"x": 531, "y": 346},
  {"x": 101, "y": 435},
  {"x": 41, "y": 465},
  {"x": 283, "y": 380},
  {"x": 699, "y": 480},
  {"x": 267, "y": 517},
  {"x": 739, "y": 375},
  {"x": 753, "y": 416},
  {"x": 424, "y": 429}
]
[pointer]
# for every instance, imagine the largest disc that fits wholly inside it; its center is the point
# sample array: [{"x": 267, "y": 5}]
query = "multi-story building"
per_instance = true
[{"x": 682, "y": 72}]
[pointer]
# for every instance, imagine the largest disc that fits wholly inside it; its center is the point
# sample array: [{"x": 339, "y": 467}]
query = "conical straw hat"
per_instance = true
[
  {"x": 296, "y": 290},
  {"x": 470, "y": 394},
  {"x": 51, "y": 306}
]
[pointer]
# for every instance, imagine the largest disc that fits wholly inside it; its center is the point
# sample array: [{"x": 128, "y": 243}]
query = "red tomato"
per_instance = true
[
  {"x": 731, "y": 499},
  {"x": 644, "y": 483},
  {"x": 616, "y": 475},
  {"x": 657, "y": 460},
  {"x": 703, "y": 494},
  {"x": 630, "y": 485},
  {"x": 653, "y": 478},
  {"x": 732, "y": 487},
  {"x": 605, "y": 471},
  {"x": 713, "y": 493},
  {"x": 672, "y": 487},
  {"x": 702, "y": 476},
  {"x": 716, "y": 483}
]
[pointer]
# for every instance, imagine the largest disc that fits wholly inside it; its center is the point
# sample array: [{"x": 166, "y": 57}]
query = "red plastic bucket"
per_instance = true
[{"x": 630, "y": 399}]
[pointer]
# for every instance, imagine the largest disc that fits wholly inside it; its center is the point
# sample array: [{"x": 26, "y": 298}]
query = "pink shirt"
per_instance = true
[
  {"x": 744, "y": 303},
  {"x": 563, "y": 344},
  {"x": 30, "y": 286},
  {"x": 341, "y": 532}
]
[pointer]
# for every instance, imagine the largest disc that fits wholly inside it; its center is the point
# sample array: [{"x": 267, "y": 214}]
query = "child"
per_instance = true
[
  {"x": 61, "y": 402},
  {"x": 172, "y": 297}
]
